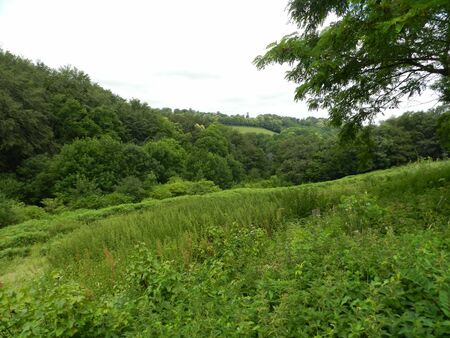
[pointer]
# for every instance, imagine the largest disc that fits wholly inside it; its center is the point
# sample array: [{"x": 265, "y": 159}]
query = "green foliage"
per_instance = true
[
  {"x": 345, "y": 258},
  {"x": 444, "y": 130},
  {"x": 116, "y": 198},
  {"x": 65, "y": 310},
  {"x": 37, "y": 177},
  {"x": 272, "y": 182},
  {"x": 18, "y": 125},
  {"x": 360, "y": 213},
  {"x": 141, "y": 123},
  {"x": 169, "y": 156},
  {"x": 42, "y": 109},
  {"x": 68, "y": 143},
  {"x": 370, "y": 55},
  {"x": 179, "y": 187},
  {"x": 6, "y": 215},
  {"x": 254, "y": 130},
  {"x": 213, "y": 139},
  {"x": 212, "y": 167},
  {"x": 73, "y": 119},
  {"x": 12, "y": 212},
  {"x": 103, "y": 162},
  {"x": 10, "y": 186},
  {"x": 132, "y": 187}
]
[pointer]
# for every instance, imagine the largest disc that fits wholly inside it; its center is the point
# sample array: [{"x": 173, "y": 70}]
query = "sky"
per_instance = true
[{"x": 180, "y": 54}]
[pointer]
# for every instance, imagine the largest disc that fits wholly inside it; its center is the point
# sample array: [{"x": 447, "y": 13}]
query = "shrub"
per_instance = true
[
  {"x": 202, "y": 187},
  {"x": 59, "y": 309},
  {"x": 10, "y": 186},
  {"x": 133, "y": 187},
  {"x": 178, "y": 187},
  {"x": 53, "y": 205},
  {"x": 25, "y": 212},
  {"x": 6, "y": 215},
  {"x": 12, "y": 212},
  {"x": 115, "y": 198}
]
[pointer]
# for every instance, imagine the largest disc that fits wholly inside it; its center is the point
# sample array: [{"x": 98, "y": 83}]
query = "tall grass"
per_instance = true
[
  {"x": 363, "y": 256},
  {"x": 168, "y": 226}
]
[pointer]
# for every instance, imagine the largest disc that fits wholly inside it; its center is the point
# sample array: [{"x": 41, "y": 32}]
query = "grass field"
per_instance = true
[
  {"x": 255, "y": 130},
  {"x": 367, "y": 255}
]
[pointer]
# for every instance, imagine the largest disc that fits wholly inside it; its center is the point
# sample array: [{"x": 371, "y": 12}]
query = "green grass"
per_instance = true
[
  {"x": 255, "y": 130},
  {"x": 366, "y": 255},
  {"x": 166, "y": 225}
]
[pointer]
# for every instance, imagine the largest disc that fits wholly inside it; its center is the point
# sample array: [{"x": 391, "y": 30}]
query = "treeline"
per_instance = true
[
  {"x": 65, "y": 142},
  {"x": 275, "y": 123}
]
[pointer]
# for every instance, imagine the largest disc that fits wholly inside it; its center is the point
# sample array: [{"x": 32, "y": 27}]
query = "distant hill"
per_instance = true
[
  {"x": 254, "y": 130},
  {"x": 274, "y": 123},
  {"x": 68, "y": 143}
]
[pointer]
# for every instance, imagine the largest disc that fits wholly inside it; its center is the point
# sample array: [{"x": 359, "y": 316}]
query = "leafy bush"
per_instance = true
[
  {"x": 10, "y": 186},
  {"x": 115, "y": 198},
  {"x": 272, "y": 182},
  {"x": 179, "y": 187},
  {"x": 29, "y": 212},
  {"x": 133, "y": 187},
  {"x": 6, "y": 214},
  {"x": 12, "y": 212},
  {"x": 53, "y": 205},
  {"x": 63, "y": 310},
  {"x": 202, "y": 187},
  {"x": 360, "y": 212}
]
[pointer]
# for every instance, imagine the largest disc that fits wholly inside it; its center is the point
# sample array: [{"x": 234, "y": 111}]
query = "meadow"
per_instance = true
[
  {"x": 366, "y": 255},
  {"x": 254, "y": 130}
]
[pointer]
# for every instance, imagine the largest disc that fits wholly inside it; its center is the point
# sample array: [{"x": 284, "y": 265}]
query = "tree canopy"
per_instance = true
[
  {"x": 357, "y": 58},
  {"x": 65, "y": 142}
]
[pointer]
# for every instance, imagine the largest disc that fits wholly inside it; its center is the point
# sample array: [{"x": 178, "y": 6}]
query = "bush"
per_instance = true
[
  {"x": 202, "y": 187},
  {"x": 25, "y": 212},
  {"x": 10, "y": 186},
  {"x": 12, "y": 212},
  {"x": 62, "y": 310},
  {"x": 6, "y": 214},
  {"x": 272, "y": 182},
  {"x": 133, "y": 187},
  {"x": 53, "y": 205},
  {"x": 115, "y": 198},
  {"x": 178, "y": 187}
]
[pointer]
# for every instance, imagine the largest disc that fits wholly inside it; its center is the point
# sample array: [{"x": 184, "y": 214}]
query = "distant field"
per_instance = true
[{"x": 256, "y": 130}]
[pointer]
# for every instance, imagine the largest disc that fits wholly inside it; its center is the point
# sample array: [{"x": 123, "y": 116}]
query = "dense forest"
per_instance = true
[{"x": 67, "y": 143}]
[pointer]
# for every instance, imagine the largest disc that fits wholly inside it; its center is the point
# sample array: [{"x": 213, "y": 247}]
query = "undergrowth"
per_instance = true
[{"x": 363, "y": 256}]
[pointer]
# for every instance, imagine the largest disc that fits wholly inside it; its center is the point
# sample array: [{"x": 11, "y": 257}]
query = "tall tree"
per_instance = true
[{"x": 357, "y": 58}]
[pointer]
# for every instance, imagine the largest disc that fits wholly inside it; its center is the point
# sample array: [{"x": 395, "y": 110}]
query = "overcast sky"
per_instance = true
[{"x": 180, "y": 54}]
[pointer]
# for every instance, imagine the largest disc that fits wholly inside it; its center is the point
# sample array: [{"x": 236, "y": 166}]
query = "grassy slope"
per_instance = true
[
  {"x": 172, "y": 219},
  {"x": 175, "y": 222},
  {"x": 255, "y": 130},
  {"x": 364, "y": 255}
]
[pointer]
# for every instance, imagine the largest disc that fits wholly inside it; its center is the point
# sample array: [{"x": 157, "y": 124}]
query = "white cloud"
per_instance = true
[{"x": 181, "y": 54}]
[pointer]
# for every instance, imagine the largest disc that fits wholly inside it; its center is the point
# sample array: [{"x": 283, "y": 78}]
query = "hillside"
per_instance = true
[
  {"x": 123, "y": 216},
  {"x": 253, "y": 130},
  {"x": 66, "y": 143},
  {"x": 364, "y": 255}
]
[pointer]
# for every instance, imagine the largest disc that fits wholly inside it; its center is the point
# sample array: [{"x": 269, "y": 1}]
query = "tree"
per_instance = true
[
  {"x": 213, "y": 139},
  {"x": 444, "y": 130},
  {"x": 371, "y": 55},
  {"x": 169, "y": 156},
  {"x": 210, "y": 166},
  {"x": 23, "y": 133},
  {"x": 142, "y": 123},
  {"x": 104, "y": 162}
]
